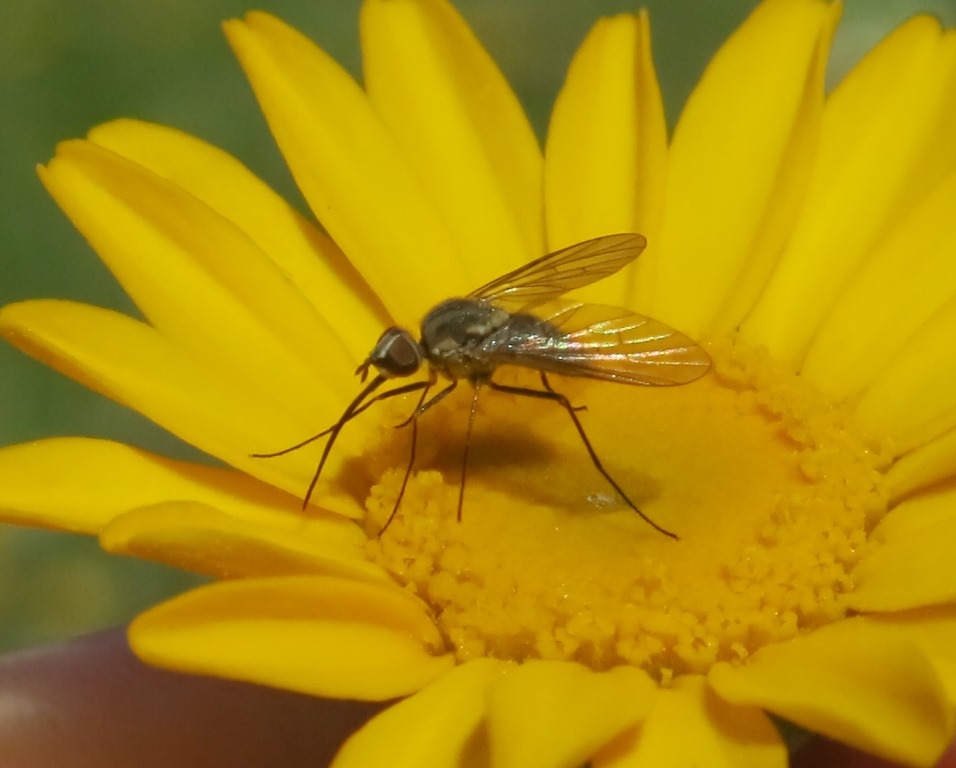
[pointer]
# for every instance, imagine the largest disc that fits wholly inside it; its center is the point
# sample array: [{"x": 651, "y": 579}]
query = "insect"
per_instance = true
[{"x": 521, "y": 320}]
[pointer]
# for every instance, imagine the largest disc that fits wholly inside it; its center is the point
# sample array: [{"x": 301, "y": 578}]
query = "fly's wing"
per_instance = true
[
  {"x": 599, "y": 342},
  {"x": 557, "y": 273}
]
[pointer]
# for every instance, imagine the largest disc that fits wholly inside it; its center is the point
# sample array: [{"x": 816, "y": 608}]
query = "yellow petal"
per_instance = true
[
  {"x": 938, "y": 157},
  {"x": 928, "y": 464},
  {"x": 738, "y": 164},
  {"x": 689, "y": 725},
  {"x": 929, "y": 506},
  {"x": 909, "y": 569},
  {"x": 913, "y": 401},
  {"x": 909, "y": 278},
  {"x": 317, "y": 635},
  {"x": 463, "y": 130},
  {"x": 548, "y": 713},
  {"x": 350, "y": 169},
  {"x": 606, "y": 154},
  {"x": 874, "y": 133},
  {"x": 435, "y": 728},
  {"x": 850, "y": 683},
  {"x": 200, "y": 538},
  {"x": 195, "y": 276},
  {"x": 306, "y": 256},
  {"x": 131, "y": 363},
  {"x": 86, "y": 483},
  {"x": 933, "y": 630}
]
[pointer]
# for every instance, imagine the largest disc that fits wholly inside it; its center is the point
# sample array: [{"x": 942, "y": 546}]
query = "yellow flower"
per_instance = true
[{"x": 806, "y": 240}]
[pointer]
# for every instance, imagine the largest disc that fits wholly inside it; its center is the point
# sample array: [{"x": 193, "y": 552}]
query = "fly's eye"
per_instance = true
[{"x": 397, "y": 353}]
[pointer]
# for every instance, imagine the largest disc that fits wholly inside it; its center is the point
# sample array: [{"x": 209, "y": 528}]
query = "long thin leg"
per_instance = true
[
  {"x": 344, "y": 419},
  {"x": 550, "y": 394},
  {"x": 434, "y": 401},
  {"x": 411, "y": 456},
  {"x": 350, "y": 414},
  {"x": 408, "y": 472},
  {"x": 417, "y": 405},
  {"x": 464, "y": 456},
  {"x": 403, "y": 390},
  {"x": 547, "y": 385},
  {"x": 413, "y": 420}
]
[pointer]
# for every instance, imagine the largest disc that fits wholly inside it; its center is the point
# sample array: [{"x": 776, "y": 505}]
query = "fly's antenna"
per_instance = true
[{"x": 362, "y": 370}]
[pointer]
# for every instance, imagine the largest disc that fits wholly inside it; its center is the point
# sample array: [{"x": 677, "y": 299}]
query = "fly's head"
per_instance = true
[{"x": 395, "y": 354}]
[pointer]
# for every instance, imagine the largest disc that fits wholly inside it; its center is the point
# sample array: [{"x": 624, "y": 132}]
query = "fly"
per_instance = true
[{"x": 521, "y": 319}]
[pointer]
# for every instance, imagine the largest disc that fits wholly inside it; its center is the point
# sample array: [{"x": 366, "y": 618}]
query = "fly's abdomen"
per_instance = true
[{"x": 517, "y": 334}]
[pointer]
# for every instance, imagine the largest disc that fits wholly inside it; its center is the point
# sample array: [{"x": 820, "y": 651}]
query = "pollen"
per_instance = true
[{"x": 770, "y": 487}]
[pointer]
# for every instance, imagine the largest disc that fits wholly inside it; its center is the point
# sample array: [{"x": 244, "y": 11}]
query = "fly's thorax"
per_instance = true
[
  {"x": 452, "y": 334},
  {"x": 396, "y": 353}
]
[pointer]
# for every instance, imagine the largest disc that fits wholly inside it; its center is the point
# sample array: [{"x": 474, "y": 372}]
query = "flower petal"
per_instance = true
[
  {"x": 132, "y": 364},
  {"x": 689, "y": 725},
  {"x": 874, "y": 133},
  {"x": 355, "y": 177},
  {"x": 910, "y": 277},
  {"x": 434, "y": 728},
  {"x": 938, "y": 157},
  {"x": 738, "y": 165},
  {"x": 934, "y": 630},
  {"x": 463, "y": 130},
  {"x": 80, "y": 484},
  {"x": 913, "y": 400},
  {"x": 907, "y": 570},
  {"x": 850, "y": 683},
  {"x": 194, "y": 274},
  {"x": 317, "y": 635},
  {"x": 606, "y": 155},
  {"x": 929, "y": 506},
  {"x": 295, "y": 245},
  {"x": 548, "y": 713},
  {"x": 928, "y": 464},
  {"x": 200, "y": 538}
]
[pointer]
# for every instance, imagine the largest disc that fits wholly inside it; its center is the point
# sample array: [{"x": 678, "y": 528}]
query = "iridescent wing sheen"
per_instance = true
[
  {"x": 599, "y": 342},
  {"x": 557, "y": 273}
]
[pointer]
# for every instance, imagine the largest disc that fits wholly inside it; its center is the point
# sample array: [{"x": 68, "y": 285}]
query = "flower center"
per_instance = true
[{"x": 769, "y": 486}]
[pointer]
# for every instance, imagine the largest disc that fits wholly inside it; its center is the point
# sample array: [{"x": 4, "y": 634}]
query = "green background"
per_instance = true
[{"x": 66, "y": 66}]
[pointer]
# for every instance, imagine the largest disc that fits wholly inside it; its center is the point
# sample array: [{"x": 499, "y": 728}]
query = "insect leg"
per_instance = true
[
  {"x": 413, "y": 420},
  {"x": 350, "y": 413},
  {"x": 547, "y": 385},
  {"x": 434, "y": 401},
  {"x": 408, "y": 472},
  {"x": 411, "y": 457},
  {"x": 464, "y": 457},
  {"x": 402, "y": 390},
  {"x": 419, "y": 409},
  {"x": 550, "y": 394}
]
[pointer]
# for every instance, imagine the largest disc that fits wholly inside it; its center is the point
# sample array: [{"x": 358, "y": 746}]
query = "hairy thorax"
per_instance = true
[
  {"x": 453, "y": 334},
  {"x": 470, "y": 338}
]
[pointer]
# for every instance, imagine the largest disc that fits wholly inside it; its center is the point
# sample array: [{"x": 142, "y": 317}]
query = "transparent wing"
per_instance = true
[
  {"x": 600, "y": 342},
  {"x": 557, "y": 273}
]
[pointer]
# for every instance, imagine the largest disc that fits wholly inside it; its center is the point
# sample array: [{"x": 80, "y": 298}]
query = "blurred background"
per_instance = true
[{"x": 66, "y": 66}]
